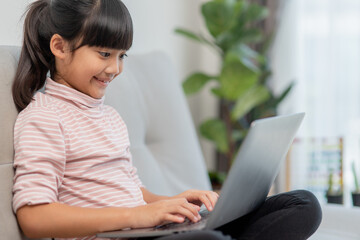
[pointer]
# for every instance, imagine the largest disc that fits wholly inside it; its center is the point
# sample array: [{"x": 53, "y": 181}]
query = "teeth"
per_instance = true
[{"x": 102, "y": 80}]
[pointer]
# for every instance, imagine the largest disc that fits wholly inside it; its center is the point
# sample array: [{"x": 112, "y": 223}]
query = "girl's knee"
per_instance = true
[
  {"x": 305, "y": 197},
  {"x": 310, "y": 205}
]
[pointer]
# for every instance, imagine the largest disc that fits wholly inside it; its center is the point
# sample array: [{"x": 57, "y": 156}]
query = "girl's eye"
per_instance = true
[
  {"x": 104, "y": 54},
  {"x": 122, "y": 56}
]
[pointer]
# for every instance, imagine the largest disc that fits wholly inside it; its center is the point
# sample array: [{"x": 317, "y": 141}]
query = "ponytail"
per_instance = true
[{"x": 36, "y": 58}]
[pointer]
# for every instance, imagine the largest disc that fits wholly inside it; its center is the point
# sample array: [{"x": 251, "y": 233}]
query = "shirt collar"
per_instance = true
[{"x": 70, "y": 95}]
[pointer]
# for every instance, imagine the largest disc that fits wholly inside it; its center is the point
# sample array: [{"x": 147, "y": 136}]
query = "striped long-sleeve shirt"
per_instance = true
[{"x": 73, "y": 149}]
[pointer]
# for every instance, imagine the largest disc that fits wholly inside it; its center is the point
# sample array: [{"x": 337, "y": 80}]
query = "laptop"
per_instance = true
[{"x": 247, "y": 185}]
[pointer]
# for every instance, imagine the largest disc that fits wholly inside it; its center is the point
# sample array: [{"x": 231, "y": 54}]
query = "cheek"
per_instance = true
[
  {"x": 120, "y": 71},
  {"x": 92, "y": 68},
  {"x": 121, "y": 67}
]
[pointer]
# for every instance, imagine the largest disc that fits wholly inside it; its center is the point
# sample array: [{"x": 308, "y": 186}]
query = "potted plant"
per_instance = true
[
  {"x": 334, "y": 194},
  {"x": 241, "y": 82},
  {"x": 217, "y": 179},
  {"x": 356, "y": 193}
]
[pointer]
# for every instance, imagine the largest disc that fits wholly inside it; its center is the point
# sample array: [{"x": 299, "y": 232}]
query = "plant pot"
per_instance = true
[
  {"x": 337, "y": 199},
  {"x": 356, "y": 198}
]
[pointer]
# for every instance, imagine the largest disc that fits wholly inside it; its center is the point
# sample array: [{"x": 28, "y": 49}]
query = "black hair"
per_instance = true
[{"x": 101, "y": 23}]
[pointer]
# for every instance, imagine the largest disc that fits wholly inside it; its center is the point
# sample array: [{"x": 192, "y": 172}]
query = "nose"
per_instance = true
[{"x": 115, "y": 66}]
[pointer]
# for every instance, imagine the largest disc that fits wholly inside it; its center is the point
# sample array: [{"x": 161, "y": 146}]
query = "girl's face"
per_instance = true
[{"x": 91, "y": 69}]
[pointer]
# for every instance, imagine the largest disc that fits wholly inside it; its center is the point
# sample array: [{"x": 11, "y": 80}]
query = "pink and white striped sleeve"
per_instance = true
[
  {"x": 121, "y": 122},
  {"x": 136, "y": 177},
  {"x": 39, "y": 159}
]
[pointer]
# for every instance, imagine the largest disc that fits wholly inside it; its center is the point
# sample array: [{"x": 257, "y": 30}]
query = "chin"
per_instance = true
[{"x": 97, "y": 95}]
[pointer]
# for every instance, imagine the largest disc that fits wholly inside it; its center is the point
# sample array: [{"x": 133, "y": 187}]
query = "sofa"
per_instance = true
[{"x": 149, "y": 98}]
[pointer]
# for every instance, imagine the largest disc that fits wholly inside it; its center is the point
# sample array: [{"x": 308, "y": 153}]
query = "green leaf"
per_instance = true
[
  {"x": 265, "y": 74},
  {"x": 215, "y": 131},
  {"x": 283, "y": 94},
  {"x": 250, "y": 14},
  {"x": 255, "y": 13},
  {"x": 235, "y": 78},
  {"x": 217, "y": 177},
  {"x": 225, "y": 41},
  {"x": 267, "y": 42},
  {"x": 238, "y": 135},
  {"x": 226, "y": 37},
  {"x": 197, "y": 37},
  {"x": 251, "y": 36},
  {"x": 217, "y": 92},
  {"x": 189, "y": 34},
  {"x": 220, "y": 16},
  {"x": 249, "y": 100},
  {"x": 246, "y": 55},
  {"x": 195, "y": 82}
]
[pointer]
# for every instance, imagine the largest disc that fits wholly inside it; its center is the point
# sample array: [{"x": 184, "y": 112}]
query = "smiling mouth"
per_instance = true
[{"x": 103, "y": 81}]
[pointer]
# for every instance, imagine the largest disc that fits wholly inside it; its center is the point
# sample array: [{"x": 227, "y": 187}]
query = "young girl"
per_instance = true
[{"x": 74, "y": 174}]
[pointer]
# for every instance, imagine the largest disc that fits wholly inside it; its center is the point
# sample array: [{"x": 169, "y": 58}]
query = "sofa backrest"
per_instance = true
[
  {"x": 149, "y": 98},
  {"x": 8, "y": 63}
]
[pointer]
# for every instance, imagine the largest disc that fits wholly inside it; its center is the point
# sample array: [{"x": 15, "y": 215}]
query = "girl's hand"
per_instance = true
[
  {"x": 198, "y": 197},
  {"x": 164, "y": 211}
]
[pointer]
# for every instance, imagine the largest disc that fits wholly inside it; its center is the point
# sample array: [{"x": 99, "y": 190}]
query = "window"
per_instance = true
[{"x": 318, "y": 47}]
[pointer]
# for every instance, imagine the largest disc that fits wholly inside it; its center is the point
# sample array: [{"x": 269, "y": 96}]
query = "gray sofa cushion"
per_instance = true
[{"x": 8, "y": 64}]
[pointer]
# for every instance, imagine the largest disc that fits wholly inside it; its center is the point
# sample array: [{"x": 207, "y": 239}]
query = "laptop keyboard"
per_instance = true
[{"x": 204, "y": 213}]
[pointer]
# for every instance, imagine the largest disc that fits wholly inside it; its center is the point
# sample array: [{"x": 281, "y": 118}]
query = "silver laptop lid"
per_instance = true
[{"x": 255, "y": 167}]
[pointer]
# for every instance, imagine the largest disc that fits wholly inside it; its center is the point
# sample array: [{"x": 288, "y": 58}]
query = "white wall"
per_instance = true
[
  {"x": 11, "y": 22},
  {"x": 154, "y": 24}
]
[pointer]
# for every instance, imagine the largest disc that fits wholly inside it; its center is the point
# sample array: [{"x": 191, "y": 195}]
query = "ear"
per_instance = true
[{"x": 58, "y": 46}]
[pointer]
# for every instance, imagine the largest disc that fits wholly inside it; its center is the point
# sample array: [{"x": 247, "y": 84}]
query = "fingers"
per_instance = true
[
  {"x": 208, "y": 198},
  {"x": 213, "y": 197},
  {"x": 165, "y": 211},
  {"x": 197, "y": 207},
  {"x": 177, "y": 210},
  {"x": 189, "y": 210},
  {"x": 198, "y": 197},
  {"x": 187, "y": 204},
  {"x": 174, "y": 218}
]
